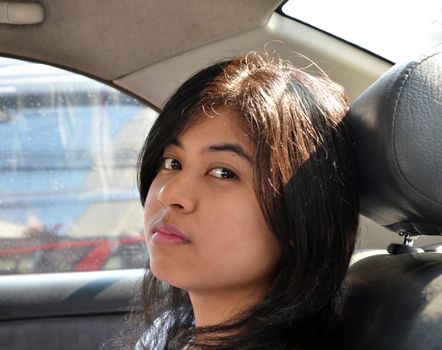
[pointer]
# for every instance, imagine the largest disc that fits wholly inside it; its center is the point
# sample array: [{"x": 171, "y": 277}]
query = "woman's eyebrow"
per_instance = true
[
  {"x": 230, "y": 147},
  {"x": 175, "y": 142},
  {"x": 222, "y": 147}
]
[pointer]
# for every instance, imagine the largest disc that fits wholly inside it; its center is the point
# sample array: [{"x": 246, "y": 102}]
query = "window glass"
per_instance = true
[
  {"x": 394, "y": 29},
  {"x": 68, "y": 151}
]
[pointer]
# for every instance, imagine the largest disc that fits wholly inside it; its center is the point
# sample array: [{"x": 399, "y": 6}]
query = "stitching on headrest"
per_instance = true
[{"x": 409, "y": 72}]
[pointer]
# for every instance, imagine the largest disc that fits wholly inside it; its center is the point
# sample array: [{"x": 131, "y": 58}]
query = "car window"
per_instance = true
[
  {"x": 394, "y": 29},
  {"x": 68, "y": 151}
]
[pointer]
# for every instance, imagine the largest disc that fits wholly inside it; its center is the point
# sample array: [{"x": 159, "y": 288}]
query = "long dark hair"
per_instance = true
[{"x": 305, "y": 184}]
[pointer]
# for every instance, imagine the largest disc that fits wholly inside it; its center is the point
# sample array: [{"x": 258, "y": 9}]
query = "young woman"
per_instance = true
[{"x": 248, "y": 187}]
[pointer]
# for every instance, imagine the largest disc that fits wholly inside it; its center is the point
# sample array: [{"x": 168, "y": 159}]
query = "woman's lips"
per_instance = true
[{"x": 164, "y": 234}]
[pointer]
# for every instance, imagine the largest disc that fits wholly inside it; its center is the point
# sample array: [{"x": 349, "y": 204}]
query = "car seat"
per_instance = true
[{"x": 394, "y": 301}]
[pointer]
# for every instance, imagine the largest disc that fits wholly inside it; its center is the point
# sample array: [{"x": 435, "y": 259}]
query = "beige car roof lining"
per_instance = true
[
  {"x": 148, "y": 47},
  {"x": 110, "y": 39},
  {"x": 342, "y": 62}
]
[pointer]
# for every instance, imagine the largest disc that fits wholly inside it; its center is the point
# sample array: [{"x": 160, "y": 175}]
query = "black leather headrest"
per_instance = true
[{"x": 398, "y": 128}]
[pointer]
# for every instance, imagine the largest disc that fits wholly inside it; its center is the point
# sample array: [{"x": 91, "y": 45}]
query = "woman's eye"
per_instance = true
[
  {"x": 170, "y": 164},
  {"x": 223, "y": 173}
]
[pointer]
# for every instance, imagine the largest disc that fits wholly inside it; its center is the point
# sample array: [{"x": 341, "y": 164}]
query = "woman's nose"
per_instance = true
[{"x": 179, "y": 193}]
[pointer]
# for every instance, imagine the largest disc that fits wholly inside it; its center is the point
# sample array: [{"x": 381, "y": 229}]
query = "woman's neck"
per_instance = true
[{"x": 215, "y": 307}]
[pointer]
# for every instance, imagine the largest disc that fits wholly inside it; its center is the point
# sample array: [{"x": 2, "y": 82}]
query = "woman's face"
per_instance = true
[{"x": 203, "y": 224}]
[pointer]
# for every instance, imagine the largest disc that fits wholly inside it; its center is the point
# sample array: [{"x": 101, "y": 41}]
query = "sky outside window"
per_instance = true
[{"x": 394, "y": 29}]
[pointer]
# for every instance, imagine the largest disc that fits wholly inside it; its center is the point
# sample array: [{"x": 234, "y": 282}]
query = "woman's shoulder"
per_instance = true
[{"x": 155, "y": 337}]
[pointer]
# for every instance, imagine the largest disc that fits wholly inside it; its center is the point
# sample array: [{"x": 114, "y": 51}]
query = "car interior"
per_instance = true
[
  {"x": 394, "y": 300},
  {"x": 392, "y": 296}
]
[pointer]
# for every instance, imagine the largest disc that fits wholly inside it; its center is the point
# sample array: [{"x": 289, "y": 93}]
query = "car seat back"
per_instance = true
[{"x": 394, "y": 301}]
